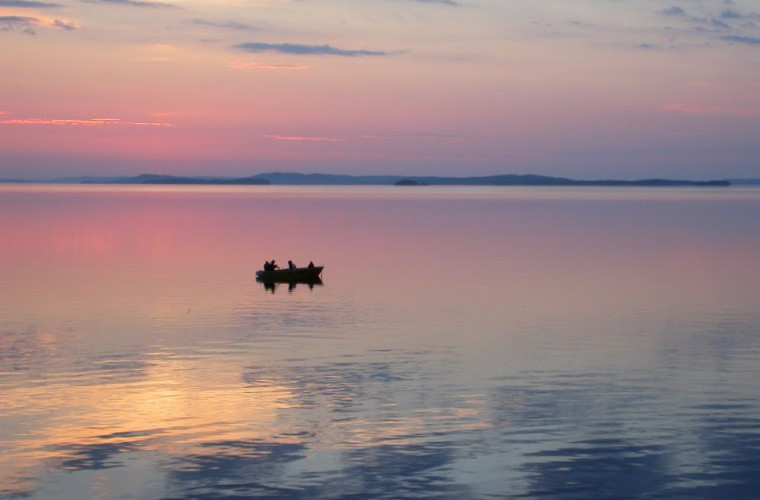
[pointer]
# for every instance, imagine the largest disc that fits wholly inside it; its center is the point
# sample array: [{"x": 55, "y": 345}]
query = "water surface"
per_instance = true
[{"x": 466, "y": 343}]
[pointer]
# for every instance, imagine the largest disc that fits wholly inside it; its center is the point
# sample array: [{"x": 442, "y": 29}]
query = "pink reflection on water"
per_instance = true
[{"x": 530, "y": 251}]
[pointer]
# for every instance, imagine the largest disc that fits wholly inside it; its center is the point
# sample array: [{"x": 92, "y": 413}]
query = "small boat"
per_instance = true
[{"x": 297, "y": 275}]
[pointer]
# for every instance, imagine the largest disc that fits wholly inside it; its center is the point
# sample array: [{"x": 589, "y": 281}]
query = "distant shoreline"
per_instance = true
[{"x": 298, "y": 179}]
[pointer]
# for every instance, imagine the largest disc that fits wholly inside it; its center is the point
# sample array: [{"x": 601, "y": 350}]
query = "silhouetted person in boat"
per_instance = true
[
  {"x": 311, "y": 265},
  {"x": 267, "y": 266},
  {"x": 291, "y": 265}
]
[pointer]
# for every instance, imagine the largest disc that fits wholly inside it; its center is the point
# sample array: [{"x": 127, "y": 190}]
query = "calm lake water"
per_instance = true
[{"x": 467, "y": 343}]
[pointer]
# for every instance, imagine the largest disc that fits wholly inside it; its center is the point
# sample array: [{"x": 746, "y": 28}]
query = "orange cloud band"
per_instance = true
[{"x": 95, "y": 122}]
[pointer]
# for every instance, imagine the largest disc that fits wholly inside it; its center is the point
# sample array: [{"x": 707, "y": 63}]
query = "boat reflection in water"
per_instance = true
[{"x": 309, "y": 276}]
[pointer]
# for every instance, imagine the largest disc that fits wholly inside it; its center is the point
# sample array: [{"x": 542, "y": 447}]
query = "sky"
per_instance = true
[{"x": 621, "y": 89}]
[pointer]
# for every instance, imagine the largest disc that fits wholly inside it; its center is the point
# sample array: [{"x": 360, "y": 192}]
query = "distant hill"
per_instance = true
[
  {"x": 171, "y": 179},
  {"x": 15, "y": 181},
  {"x": 294, "y": 178},
  {"x": 745, "y": 182},
  {"x": 285, "y": 178}
]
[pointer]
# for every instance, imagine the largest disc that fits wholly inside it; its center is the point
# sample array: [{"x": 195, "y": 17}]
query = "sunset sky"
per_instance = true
[{"x": 587, "y": 89}]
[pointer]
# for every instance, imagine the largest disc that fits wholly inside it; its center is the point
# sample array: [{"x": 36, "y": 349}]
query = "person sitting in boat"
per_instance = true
[
  {"x": 267, "y": 266},
  {"x": 272, "y": 266},
  {"x": 311, "y": 265},
  {"x": 291, "y": 265}
]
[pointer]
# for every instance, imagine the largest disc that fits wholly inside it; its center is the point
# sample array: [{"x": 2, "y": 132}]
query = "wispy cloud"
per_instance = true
[
  {"x": 701, "y": 110},
  {"x": 66, "y": 25},
  {"x": 27, "y": 24},
  {"x": 28, "y": 4},
  {"x": 243, "y": 66},
  {"x": 299, "y": 49},
  {"x": 136, "y": 3},
  {"x": 296, "y": 138},
  {"x": 735, "y": 14},
  {"x": 67, "y": 122},
  {"x": 674, "y": 11},
  {"x": 747, "y": 40},
  {"x": 709, "y": 21},
  {"x": 24, "y": 24},
  {"x": 443, "y": 2},
  {"x": 728, "y": 20},
  {"x": 227, "y": 25}
]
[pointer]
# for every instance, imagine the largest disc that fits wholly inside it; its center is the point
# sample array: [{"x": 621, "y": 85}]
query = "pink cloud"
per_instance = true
[
  {"x": 303, "y": 139},
  {"x": 93, "y": 122},
  {"x": 700, "y": 110}
]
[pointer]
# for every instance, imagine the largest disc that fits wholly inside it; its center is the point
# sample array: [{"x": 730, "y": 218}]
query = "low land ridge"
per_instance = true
[{"x": 294, "y": 178}]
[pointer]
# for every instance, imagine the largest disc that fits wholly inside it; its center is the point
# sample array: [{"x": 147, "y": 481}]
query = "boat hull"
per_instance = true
[{"x": 298, "y": 275}]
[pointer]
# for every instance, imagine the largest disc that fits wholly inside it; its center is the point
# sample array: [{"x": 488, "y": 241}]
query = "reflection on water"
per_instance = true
[
  {"x": 273, "y": 285},
  {"x": 468, "y": 343}
]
